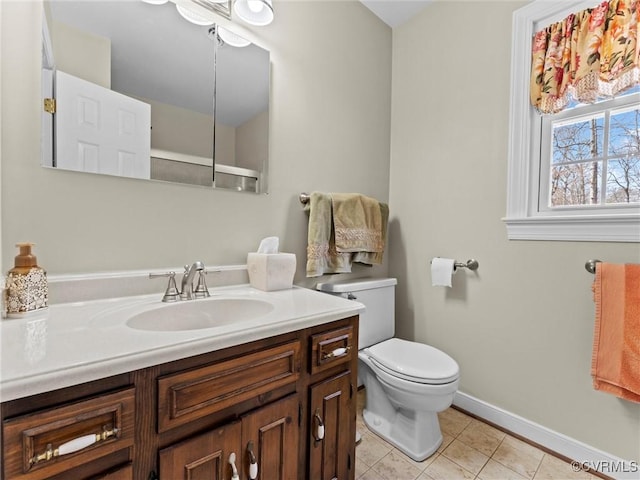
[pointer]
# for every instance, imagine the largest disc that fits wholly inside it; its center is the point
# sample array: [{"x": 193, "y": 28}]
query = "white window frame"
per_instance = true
[{"x": 524, "y": 219}]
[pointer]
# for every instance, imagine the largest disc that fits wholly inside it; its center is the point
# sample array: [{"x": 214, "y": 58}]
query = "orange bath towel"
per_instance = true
[{"x": 615, "y": 365}]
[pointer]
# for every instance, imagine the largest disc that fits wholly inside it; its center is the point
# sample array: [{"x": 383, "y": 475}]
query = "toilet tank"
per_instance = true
[{"x": 377, "y": 322}]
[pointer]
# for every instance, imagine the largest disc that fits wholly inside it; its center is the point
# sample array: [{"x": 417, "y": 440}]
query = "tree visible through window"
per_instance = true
[{"x": 595, "y": 159}]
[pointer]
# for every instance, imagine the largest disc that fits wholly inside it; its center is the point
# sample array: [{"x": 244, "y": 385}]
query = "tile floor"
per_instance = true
[{"x": 471, "y": 450}]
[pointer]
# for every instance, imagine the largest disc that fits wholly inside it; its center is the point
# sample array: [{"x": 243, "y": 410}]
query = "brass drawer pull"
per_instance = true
[
  {"x": 338, "y": 352},
  {"x": 73, "y": 446}
]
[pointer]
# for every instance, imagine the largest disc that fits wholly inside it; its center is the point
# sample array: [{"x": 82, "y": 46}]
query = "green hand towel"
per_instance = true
[
  {"x": 322, "y": 256},
  {"x": 344, "y": 228}
]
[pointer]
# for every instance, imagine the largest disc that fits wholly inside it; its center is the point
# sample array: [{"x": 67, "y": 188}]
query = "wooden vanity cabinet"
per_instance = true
[
  {"x": 285, "y": 403},
  {"x": 332, "y": 403}
]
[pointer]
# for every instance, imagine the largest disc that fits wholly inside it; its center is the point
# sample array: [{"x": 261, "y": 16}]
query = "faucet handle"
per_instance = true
[
  {"x": 172, "y": 294},
  {"x": 201, "y": 290}
]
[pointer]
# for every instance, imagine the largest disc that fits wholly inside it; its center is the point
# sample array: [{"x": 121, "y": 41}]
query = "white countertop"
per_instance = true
[{"x": 72, "y": 343}]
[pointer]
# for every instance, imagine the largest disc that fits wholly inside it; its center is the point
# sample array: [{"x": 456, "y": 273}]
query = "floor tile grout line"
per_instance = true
[
  {"x": 423, "y": 471},
  {"x": 517, "y": 437},
  {"x": 528, "y": 441},
  {"x": 539, "y": 465},
  {"x": 507, "y": 466},
  {"x": 457, "y": 437}
]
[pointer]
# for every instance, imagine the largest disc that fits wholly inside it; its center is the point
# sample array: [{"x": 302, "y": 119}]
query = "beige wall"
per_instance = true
[
  {"x": 245, "y": 146},
  {"x": 252, "y": 142},
  {"x": 521, "y": 329},
  {"x": 180, "y": 130},
  {"x": 225, "y": 145},
  {"x": 81, "y": 54},
  {"x": 330, "y": 123}
]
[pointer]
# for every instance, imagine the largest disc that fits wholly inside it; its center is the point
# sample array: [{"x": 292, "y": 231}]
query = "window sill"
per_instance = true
[{"x": 583, "y": 228}]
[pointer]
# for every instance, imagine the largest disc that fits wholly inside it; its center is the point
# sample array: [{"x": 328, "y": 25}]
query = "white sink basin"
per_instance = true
[{"x": 199, "y": 314}]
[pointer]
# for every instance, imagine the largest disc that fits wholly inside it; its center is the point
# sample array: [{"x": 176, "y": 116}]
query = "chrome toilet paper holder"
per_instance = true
[{"x": 471, "y": 264}]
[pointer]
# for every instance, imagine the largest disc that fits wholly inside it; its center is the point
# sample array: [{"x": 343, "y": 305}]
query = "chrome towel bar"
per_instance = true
[
  {"x": 590, "y": 265},
  {"x": 304, "y": 198}
]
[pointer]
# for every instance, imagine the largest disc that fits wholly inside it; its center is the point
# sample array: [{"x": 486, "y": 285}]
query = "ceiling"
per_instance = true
[{"x": 395, "y": 12}]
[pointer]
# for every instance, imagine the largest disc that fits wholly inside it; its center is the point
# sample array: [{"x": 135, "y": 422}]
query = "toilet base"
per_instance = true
[{"x": 416, "y": 434}]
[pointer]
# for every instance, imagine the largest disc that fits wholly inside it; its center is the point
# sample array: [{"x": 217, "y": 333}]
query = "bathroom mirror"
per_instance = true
[{"x": 190, "y": 107}]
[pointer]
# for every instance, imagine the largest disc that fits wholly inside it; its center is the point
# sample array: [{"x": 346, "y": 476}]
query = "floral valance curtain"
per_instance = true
[{"x": 589, "y": 54}]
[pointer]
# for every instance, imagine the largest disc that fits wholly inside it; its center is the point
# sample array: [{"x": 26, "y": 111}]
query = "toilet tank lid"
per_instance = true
[{"x": 356, "y": 285}]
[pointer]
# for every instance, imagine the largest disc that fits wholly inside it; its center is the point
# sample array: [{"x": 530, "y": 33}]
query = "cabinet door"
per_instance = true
[
  {"x": 331, "y": 429},
  {"x": 270, "y": 439},
  {"x": 205, "y": 457}
]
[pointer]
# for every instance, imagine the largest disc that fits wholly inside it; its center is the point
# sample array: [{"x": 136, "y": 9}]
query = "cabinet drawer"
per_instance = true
[
  {"x": 46, "y": 443},
  {"x": 331, "y": 348},
  {"x": 187, "y": 396}
]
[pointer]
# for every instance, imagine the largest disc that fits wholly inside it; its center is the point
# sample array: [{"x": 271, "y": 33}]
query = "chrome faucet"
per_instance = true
[{"x": 187, "y": 292}]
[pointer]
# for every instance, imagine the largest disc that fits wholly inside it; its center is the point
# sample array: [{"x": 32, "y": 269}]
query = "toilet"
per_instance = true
[{"x": 406, "y": 383}]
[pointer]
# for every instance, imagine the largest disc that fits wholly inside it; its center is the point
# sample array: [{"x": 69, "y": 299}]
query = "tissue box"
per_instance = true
[{"x": 271, "y": 271}]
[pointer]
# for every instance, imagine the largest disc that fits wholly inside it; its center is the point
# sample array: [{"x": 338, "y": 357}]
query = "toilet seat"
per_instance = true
[{"x": 415, "y": 362}]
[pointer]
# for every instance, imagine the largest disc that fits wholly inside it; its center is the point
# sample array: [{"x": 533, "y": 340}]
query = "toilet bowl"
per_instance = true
[
  {"x": 406, "y": 383},
  {"x": 403, "y": 408}
]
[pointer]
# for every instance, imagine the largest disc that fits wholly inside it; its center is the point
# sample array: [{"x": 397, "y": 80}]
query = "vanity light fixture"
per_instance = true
[
  {"x": 254, "y": 12},
  {"x": 230, "y": 38},
  {"x": 193, "y": 17}
]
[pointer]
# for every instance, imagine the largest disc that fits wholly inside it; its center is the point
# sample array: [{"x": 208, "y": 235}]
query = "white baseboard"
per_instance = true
[{"x": 605, "y": 463}]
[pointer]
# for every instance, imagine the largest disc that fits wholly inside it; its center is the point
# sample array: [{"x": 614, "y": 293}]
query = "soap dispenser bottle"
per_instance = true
[{"x": 26, "y": 290}]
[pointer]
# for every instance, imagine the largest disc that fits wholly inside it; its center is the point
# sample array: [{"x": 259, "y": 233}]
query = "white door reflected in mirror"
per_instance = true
[{"x": 101, "y": 131}]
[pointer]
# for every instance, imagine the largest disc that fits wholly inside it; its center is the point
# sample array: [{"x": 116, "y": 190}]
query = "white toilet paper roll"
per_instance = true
[{"x": 442, "y": 270}]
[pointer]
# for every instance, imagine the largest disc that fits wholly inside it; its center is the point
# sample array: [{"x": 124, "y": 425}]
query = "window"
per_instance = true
[
  {"x": 573, "y": 175},
  {"x": 590, "y": 156}
]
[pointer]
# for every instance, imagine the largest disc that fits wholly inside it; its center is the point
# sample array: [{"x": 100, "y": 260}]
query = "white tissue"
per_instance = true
[
  {"x": 442, "y": 269},
  {"x": 269, "y": 245}
]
